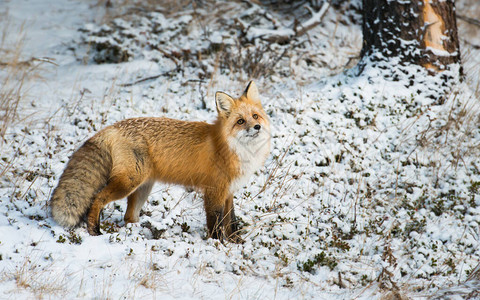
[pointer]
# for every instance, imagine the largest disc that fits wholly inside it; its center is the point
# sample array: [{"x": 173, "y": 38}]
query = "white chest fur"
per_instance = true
[{"x": 252, "y": 155}]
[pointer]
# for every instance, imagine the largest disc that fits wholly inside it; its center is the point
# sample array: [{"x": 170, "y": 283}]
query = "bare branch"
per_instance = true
[
  {"x": 167, "y": 73},
  {"x": 284, "y": 34},
  {"x": 469, "y": 20},
  {"x": 315, "y": 20}
]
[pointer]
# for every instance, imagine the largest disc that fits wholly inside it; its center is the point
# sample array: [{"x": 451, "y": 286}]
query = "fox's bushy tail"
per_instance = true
[{"x": 86, "y": 174}]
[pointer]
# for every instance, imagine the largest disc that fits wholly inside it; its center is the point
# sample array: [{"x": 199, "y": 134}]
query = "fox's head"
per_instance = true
[{"x": 244, "y": 122}]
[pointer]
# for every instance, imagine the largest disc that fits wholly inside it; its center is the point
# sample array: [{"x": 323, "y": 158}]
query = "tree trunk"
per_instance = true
[{"x": 422, "y": 32}]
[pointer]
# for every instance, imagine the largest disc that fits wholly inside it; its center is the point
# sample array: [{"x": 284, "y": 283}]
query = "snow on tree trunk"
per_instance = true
[{"x": 422, "y": 32}]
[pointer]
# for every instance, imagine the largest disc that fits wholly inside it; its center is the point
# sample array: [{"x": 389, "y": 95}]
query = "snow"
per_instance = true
[
  {"x": 440, "y": 52},
  {"x": 367, "y": 177}
]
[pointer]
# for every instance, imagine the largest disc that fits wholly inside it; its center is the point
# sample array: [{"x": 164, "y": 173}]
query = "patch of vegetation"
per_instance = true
[
  {"x": 61, "y": 239},
  {"x": 415, "y": 225},
  {"x": 474, "y": 189},
  {"x": 185, "y": 227},
  {"x": 109, "y": 226},
  {"x": 320, "y": 259},
  {"x": 156, "y": 233},
  {"x": 74, "y": 238}
]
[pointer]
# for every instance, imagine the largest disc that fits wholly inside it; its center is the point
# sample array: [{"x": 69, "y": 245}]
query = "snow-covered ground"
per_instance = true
[{"x": 372, "y": 188}]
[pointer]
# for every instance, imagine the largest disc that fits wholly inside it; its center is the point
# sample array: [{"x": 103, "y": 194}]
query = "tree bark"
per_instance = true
[{"x": 422, "y": 32}]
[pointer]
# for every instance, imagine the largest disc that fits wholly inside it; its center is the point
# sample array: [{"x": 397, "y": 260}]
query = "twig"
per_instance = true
[
  {"x": 471, "y": 44},
  {"x": 168, "y": 55},
  {"x": 193, "y": 80},
  {"x": 28, "y": 63},
  {"x": 469, "y": 20},
  {"x": 45, "y": 59},
  {"x": 167, "y": 73}
]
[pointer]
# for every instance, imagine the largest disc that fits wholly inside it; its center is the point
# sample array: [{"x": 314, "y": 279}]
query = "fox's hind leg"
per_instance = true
[
  {"x": 136, "y": 201},
  {"x": 118, "y": 187}
]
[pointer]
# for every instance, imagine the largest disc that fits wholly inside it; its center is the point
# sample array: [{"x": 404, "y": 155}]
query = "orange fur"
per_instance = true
[{"x": 214, "y": 158}]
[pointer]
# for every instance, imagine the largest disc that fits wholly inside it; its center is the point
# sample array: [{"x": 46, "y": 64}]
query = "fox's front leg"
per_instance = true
[
  {"x": 214, "y": 207},
  {"x": 230, "y": 222}
]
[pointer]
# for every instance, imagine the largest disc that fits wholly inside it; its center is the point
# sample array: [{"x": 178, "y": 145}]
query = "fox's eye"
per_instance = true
[
  {"x": 240, "y": 121},
  {"x": 255, "y": 116}
]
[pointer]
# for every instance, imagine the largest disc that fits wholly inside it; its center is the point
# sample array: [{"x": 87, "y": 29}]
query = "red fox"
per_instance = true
[{"x": 126, "y": 158}]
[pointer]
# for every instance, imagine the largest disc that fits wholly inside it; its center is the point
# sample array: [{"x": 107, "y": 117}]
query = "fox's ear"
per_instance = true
[
  {"x": 224, "y": 103},
  {"x": 252, "y": 92}
]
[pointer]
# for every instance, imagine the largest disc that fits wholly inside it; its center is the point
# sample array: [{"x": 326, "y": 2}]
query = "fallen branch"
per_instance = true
[
  {"x": 471, "y": 44},
  {"x": 284, "y": 34},
  {"x": 469, "y": 20},
  {"x": 167, "y": 73},
  {"x": 315, "y": 20}
]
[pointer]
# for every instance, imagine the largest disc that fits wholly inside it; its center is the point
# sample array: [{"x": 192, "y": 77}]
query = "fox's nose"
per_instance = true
[{"x": 257, "y": 127}]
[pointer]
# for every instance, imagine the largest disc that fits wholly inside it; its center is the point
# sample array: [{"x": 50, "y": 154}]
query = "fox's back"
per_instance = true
[
  {"x": 170, "y": 150},
  {"x": 165, "y": 130}
]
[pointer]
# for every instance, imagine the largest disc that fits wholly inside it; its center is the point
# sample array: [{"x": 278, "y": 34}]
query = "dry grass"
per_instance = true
[
  {"x": 148, "y": 274},
  {"x": 17, "y": 74},
  {"x": 13, "y": 74},
  {"x": 36, "y": 279}
]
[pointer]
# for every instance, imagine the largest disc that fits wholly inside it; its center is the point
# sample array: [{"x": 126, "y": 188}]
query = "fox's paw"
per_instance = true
[
  {"x": 222, "y": 237},
  {"x": 217, "y": 234},
  {"x": 94, "y": 230},
  {"x": 235, "y": 238}
]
